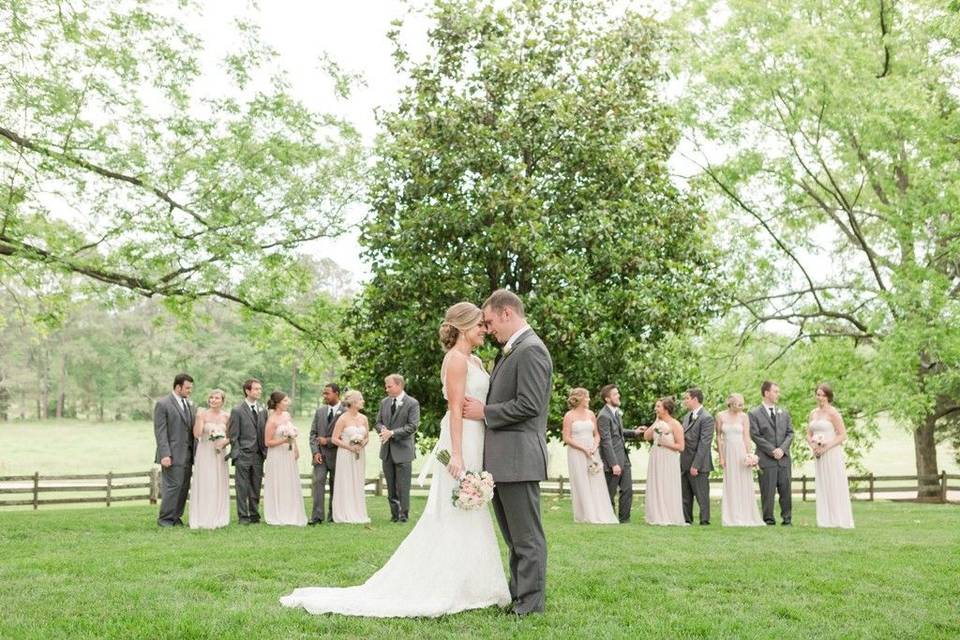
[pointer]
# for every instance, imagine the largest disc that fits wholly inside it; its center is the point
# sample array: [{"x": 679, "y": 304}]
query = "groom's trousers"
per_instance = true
[
  {"x": 695, "y": 486},
  {"x": 248, "y": 476},
  {"x": 623, "y": 482},
  {"x": 776, "y": 479},
  {"x": 397, "y": 475},
  {"x": 175, "y": 487},
  {"x": 517, "y": 507}
]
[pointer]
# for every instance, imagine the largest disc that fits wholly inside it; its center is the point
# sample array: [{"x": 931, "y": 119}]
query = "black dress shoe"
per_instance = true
[
  {"x": 402, "y": 519},
  {"x": 314, "y": 522},
  {"x": 786, "y": 524},
  {"x": 394, "y": 519}
]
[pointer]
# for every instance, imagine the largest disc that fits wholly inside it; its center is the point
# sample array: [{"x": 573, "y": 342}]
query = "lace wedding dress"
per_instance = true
[{"x": 449, "y": 562}]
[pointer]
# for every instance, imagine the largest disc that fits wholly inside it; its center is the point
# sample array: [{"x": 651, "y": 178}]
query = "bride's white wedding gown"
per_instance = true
[{"x": 449, "y": 562}]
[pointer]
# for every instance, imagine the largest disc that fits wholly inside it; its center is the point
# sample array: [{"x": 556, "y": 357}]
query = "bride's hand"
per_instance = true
[{"x": 455, "y": 467}]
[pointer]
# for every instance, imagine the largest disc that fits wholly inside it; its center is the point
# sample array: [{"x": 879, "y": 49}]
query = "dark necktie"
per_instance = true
[
  {"x": 253, "y": 410},
  {"x": 773, "y": 416},
  {"x": 393, "y": 408},
  {"x": 329, "y": 416},
  {"x": 186, "y": 411}
]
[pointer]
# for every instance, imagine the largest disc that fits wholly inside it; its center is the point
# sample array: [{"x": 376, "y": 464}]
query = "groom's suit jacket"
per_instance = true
[
  {"x": 247, "y": 438},
  {"x": 403, "y": 425},
  {"x": 613, "y": 449},
  {"x": 770, "y": 434},
  {"x": 697, "y": 438},
  {"x": 173, "y": 430},
  {"x": 515, "y": 442}
]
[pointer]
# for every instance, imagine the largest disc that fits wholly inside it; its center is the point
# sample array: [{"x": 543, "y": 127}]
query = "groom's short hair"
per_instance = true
[
  {"x": 606, "y": 390},
  {"x": 502, "y": 299}
]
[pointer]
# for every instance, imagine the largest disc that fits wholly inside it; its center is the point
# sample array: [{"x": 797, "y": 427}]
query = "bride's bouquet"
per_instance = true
[
  {"x": 751, "y": 460},
  {"x": 217, "y": 433},
  {"x": 475, "y": 489},
  {"x": 289, "y": 432}
]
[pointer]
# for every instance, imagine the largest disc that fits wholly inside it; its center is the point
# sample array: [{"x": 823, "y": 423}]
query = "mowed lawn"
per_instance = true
[{"x": 111, "y": 573}]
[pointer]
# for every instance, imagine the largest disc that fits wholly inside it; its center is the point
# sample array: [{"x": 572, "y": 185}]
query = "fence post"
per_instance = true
[
  {"x": 379, "y": 490},
  {"x": 943, "y": 486},
  {"x": 561, "y": 485},
  {"x": 871, "y": 486},
  {"x": 154, "y": 485},
  {"x": 803, "y": 491},
  {"x": 109, "y": 486},
  {"x": 36, "y": 489}
]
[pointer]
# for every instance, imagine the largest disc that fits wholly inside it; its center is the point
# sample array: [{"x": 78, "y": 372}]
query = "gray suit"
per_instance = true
[
  {"x": 398, "y": 452},
  {"x": 173, "y": 430},
  {"x": 769, "y": 434},
  {"x": 322, "y": 426},
  {"x": 697, "y": 439},
  {"x": 613, "y": 451},
  {"x": 515, "y": 454},
  {"x": 248, "y": 450}
]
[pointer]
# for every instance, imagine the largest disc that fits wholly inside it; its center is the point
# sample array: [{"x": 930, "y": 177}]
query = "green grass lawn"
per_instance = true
[{"x": 111, "y": 573}]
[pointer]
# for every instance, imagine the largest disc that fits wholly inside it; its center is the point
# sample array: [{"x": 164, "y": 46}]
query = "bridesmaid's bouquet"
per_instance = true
[
  {"x": 658, "y": 432},
  {"x": 818, "y": 440},
  {"x": 594, "y": 467},
  {"x": 289, "y": 432},
  {"x": 217, "y": 433},
  {"x": 356, "y": 441},
  {"x": 475, "y": 489},
  {"x": 751, "y": 460}
]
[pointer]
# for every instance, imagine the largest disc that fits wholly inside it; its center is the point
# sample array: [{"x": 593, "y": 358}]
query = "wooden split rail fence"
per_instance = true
[{"x": 36, "y": 490}]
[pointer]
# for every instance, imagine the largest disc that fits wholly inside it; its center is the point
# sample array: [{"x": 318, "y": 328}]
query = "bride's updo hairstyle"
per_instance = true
[
  {"x": 459, "y": 318},
  {"x": 275, "y": 399},
  {"x": 578, "y": 395}
]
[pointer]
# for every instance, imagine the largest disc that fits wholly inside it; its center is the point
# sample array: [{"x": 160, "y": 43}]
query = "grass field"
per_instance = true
[
  {"x": 111, "y": 573},
  {"x": 68, "y": 447}
]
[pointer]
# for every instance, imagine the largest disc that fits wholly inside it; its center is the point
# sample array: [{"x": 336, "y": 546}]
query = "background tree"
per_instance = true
[
  {"x": 129, "y": 157},
  {"x": 840, "y": 126},
  {"x": 529, "y": 151}
]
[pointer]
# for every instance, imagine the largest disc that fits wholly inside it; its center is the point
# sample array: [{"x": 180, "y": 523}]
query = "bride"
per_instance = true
[{"x": 450, "y": 561}]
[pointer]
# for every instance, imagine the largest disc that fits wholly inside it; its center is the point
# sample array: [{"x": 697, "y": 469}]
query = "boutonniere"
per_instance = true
[
  {"x": 507, "y": 350},
  {"x": 399, "y": 403}
]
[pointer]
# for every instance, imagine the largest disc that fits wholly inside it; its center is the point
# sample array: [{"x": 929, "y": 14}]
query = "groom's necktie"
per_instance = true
[{"x": 496, "y": 360}]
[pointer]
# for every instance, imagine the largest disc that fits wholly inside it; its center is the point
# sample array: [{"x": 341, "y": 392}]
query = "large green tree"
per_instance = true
[
  {"x": 134, "y": 155},
  {"x": 529, "y": 151},
  {"x": 830, "y": 134}
]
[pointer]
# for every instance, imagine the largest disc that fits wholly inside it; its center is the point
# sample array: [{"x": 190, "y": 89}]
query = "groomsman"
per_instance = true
[
  {"x": 248, "y": 450},
  {"x": 173, "y": 418},
  {"x": 397, "y": 423},
  {"x": 771, "y": 429},
  {"x": 324, "y": 451},
  {"x": 613, "y": 451},
  {"x": 696, "y": 461}
]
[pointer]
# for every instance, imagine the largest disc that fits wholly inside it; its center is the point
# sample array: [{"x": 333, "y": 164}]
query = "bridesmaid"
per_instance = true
[
  {"x": 588, "y": 490},
  {"x": 210, "y": 488},
  {"x": 349, "y": 503},
  {"x": 825, "y": 435},
  {"x": 282, "y": 491},
  {"x": 664, "y": 501},
  {"x": 739, "y": 504}
]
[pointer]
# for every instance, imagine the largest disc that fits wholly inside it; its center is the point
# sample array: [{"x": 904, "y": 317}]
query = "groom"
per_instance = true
[{"x": 515, "y": 445}]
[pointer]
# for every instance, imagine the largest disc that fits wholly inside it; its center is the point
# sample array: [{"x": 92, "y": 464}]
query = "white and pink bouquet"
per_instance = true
[
  {"x": 475, "y": 489},
  {"x": 818, "y": 440},
  {"x": 289, "y": 432},
  {"x": 217, "y": 433},
  {"x": 751, "y": 460},
  {"x": 594, "y": 467}
]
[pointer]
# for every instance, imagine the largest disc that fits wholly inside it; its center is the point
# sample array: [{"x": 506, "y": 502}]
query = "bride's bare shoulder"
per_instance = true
[{"x": 454, "y": 362}]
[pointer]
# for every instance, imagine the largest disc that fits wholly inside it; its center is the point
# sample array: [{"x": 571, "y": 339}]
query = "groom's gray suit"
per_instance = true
[
  {"x": 173, "y": 430},
  {"x": 515, "y": 454},
  {"x": 697, "y": 437}
]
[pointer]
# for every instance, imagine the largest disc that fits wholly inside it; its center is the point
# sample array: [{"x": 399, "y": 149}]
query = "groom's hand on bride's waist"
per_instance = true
[{"x": 472, "y": 409}]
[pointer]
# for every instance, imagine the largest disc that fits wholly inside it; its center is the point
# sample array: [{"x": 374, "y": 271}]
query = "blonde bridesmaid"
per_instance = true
[
  {"x": 826, "y": 434},
  {"x": 588, "y": 485},
  {"x": 210, "y": 486},
  {"x": 739, "y": 503},
  {"x": 351, "y": 435}
]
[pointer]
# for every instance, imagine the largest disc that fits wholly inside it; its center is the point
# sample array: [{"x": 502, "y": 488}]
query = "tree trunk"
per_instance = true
[
  {"x": 61, "y": 386},
  {"x": 293, "y": 389},
  {"x": 928, "y": 489}
]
